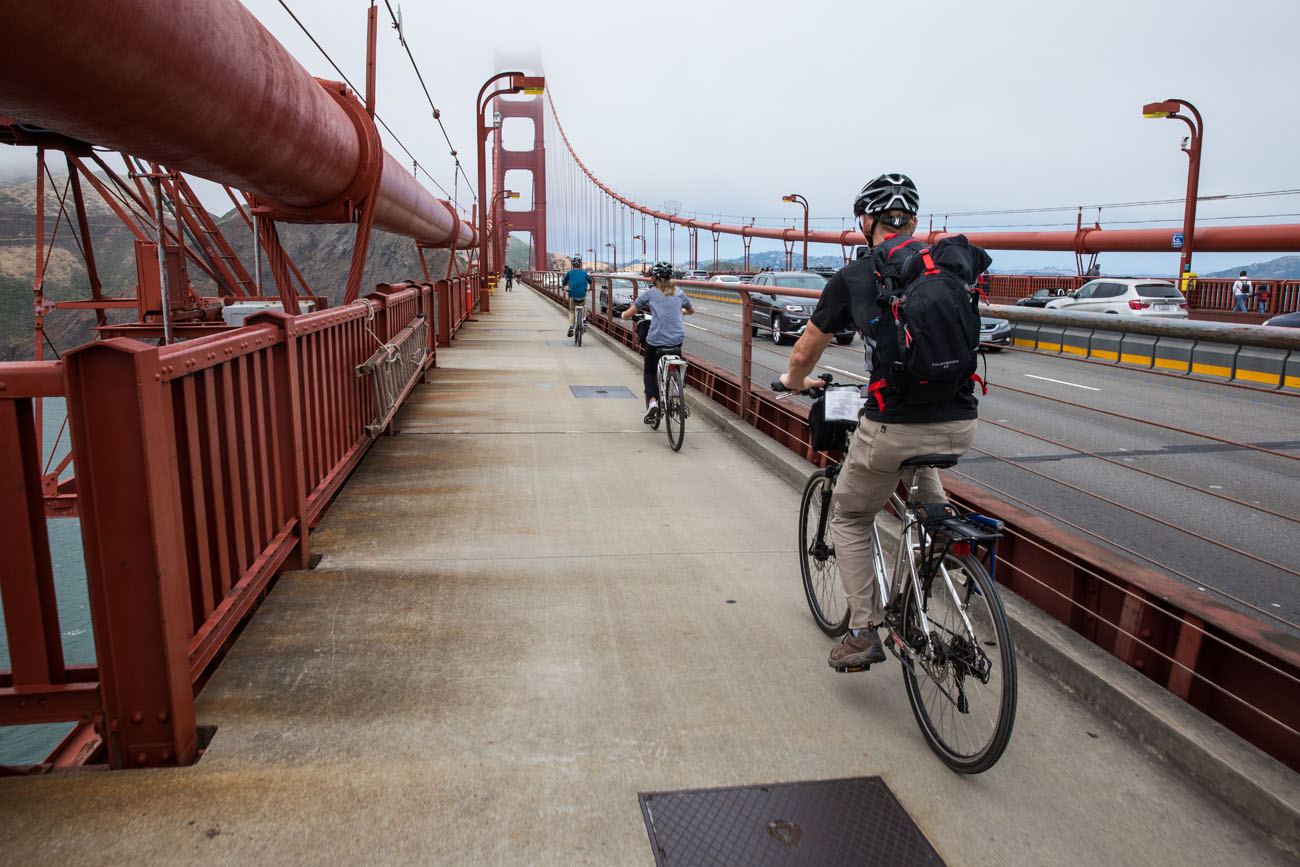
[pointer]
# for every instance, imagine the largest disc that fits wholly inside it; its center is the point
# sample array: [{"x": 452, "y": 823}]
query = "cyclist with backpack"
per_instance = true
[
  {"x": 668, "y": 308},
  {"x": 577, "y": 281},
  {"x": 915, "y": 303}
]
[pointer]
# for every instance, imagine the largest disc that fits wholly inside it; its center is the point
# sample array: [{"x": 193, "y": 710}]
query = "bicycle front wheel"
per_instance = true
[
  {"x": 821, "y": 577},
  {"x": 962, "y": 683},
  {"x": 675, "y": 409},
  {"x": 578, "y": 329}
]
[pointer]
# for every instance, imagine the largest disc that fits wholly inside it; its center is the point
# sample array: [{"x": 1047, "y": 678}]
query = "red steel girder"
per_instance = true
[{"x": 201, "y": 87}]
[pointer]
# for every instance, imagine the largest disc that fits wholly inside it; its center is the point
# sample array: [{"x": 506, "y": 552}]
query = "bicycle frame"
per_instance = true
[{"x": 912, "y": 539}]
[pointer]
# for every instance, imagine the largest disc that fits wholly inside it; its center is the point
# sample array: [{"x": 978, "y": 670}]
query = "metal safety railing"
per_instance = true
[
  {"x": 1208, "y": 294},
  {"x": 1236, "y": 663},
  {"x": 199, "y": 469}
]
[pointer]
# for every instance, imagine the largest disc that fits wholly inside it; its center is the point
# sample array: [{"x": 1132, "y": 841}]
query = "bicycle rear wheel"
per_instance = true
[
  {"x": 675, "y": 409},
  {"x": 821, "y": 577},
  {"x": 962, "y": 693}
]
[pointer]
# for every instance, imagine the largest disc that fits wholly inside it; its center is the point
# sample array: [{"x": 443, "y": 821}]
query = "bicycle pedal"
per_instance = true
[{"x": 852, "y": 669}]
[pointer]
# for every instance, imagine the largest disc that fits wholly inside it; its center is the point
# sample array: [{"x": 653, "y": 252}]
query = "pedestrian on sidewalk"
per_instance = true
[
  {"x": 1241, "y": 291},
  {"x": 668, "y": 308},
  {"x": 1264, "y": 295}
]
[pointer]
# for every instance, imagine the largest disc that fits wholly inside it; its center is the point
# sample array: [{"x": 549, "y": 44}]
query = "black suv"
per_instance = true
[{"x": 784, "y": 316}]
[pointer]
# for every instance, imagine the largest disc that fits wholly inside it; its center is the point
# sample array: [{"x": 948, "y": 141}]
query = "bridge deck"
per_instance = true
[{"x": 521, "y": 620}]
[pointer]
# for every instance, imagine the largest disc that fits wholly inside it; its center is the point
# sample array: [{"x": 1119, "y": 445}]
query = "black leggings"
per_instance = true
[{"x": 652, "y": 356}]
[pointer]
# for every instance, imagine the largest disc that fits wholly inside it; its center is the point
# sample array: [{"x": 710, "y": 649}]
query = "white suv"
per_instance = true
[{"x": 1125, "y": 297}]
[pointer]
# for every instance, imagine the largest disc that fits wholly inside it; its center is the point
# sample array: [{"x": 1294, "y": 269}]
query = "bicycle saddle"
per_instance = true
[{"x": 940, "y": 462}]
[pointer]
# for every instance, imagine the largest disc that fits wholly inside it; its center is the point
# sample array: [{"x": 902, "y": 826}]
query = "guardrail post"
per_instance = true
[
  {"x": 443, "y": 300},
  {"x": 746, "y": 352},
  {"x": 124, "y": 449},
  {"x": 429, "y": 304}
]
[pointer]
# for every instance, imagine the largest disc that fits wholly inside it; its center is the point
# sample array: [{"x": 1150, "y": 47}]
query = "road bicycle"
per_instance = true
[
  {"x": 944, "y": 620},
  {"x": 673, "y": 410}
]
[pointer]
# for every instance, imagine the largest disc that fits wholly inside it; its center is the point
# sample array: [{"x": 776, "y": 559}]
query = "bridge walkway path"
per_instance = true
[{"x": 524, "y": 616}]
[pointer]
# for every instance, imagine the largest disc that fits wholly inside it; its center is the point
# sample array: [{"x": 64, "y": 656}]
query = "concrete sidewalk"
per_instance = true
[{"x": 529, "y": 610}]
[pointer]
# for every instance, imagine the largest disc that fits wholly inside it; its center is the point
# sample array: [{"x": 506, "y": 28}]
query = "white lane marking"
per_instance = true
[
  {"x": 701, "y": 327},
  {"x": 1061, "y": 382},
  {"x": 845, "y": 373}
]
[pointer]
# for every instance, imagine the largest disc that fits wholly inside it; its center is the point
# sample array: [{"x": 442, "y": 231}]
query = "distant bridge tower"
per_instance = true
[{"x": 533, "y": 160}]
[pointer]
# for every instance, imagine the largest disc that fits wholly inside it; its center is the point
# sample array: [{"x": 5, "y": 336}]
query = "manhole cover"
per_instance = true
[
  {"x": 592, "y": 392},
  {"x": 827, "y": 823}
]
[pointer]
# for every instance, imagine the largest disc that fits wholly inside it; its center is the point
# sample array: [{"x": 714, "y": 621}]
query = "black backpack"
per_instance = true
[{"x": 928, "y": 328}]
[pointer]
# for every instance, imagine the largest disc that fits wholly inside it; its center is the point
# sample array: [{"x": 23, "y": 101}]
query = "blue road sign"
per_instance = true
[{"x": 1176, "y": 241}]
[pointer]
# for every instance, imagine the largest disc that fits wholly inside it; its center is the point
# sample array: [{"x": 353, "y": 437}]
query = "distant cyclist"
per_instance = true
[
  {"x": 668, "y": 307},
  {"x": 577, "y": 281},
  {"x": 510, "y": 277},
  {"x": 903, "y": 419}
]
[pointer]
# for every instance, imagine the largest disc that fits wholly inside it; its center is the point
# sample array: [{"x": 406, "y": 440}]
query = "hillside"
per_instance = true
[
  {"x": 1281, "y": 268},
  {"x": 321, "y": 252}
]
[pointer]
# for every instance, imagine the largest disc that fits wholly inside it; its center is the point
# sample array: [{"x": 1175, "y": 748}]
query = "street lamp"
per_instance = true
[
  {"x": 1170, "y": 108},
  {"x": 641, "y": 238},
  {"x": 614, "y": 264},
  {"x": 518, "y": 82},
  {"x": 798, "y": 199}
]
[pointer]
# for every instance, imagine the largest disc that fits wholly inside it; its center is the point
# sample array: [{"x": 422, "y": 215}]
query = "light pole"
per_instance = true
[
  {"x": 641, "y": 238},
  {"x": 1192, "y": 147},
  {"x": 592, "y": 258},
  {"x": 798, "y": 199},
  {"x": 614, "y": 265},
  {"x": 518, "y": 82},
  {"x": 499, "y": 228}
]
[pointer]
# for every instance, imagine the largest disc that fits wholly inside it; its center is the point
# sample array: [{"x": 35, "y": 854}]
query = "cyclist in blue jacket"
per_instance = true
[{"x": 577, "y": 281}]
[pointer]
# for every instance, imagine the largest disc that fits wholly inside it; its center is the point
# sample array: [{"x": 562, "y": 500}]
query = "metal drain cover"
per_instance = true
[
  {"x": 593, "y": 392},
  {"x": 826, "y": 823}
]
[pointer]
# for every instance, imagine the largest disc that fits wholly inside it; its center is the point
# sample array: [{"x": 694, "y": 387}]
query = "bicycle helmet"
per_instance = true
[
  {"x": 576, "y": 261},
  {"x": 661, "y": 271},
  {"x": 889, "y": 192}
]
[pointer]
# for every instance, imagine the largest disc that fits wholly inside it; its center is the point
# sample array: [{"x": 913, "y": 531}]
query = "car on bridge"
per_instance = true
[
  {"x": 1128, "y": 296},
  {"x": 620, "y": 286},
  {"x": 785, "y": 316},
  {"x": 1041, "y": 297},
  {"x": 696, "y": 274},
  {"x": 733, "y": 279},
  {"x": 994, "y": 333},
  {"x": 1284, "y": 320}
]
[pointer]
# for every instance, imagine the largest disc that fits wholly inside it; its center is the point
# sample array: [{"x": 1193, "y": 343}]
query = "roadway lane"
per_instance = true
[{"x": 1214, "y": 544}]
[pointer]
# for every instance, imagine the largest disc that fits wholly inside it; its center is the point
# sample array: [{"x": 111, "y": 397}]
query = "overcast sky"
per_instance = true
[{"x": 987, "y": 105}]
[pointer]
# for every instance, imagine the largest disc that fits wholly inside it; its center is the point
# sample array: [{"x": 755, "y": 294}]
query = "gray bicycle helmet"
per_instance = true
[
  {"x": 576, "y": 261},
  {"x": 661, "y": 271},
  {"x": 889, "y": 192}
]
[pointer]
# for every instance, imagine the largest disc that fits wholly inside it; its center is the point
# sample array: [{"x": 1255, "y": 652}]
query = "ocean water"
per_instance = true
[{"x": 25, "y": 744}]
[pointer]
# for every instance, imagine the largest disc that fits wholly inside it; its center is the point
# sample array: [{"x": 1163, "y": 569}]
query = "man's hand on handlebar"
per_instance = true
[{"x": 809, "y": 383}]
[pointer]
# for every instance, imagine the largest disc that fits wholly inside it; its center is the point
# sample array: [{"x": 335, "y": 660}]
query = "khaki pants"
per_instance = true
[
  {"x": 574, "y": 303},
  {"x": 869, "y": 476}
]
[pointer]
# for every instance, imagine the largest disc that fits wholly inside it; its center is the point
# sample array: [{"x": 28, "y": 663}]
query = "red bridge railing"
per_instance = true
[{"x": 200, "y": 468}]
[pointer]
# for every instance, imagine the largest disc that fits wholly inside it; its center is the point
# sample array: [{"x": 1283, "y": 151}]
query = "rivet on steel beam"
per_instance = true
[
  {"x": 141, "y": 758},
  {"x": 1145, "y": 633},
  {"x": 163, "y": 716},
  {"x": 1140, "y": 664},
  {"x": 166, "y": 755},
  {"x": 137, "y": 717}
]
